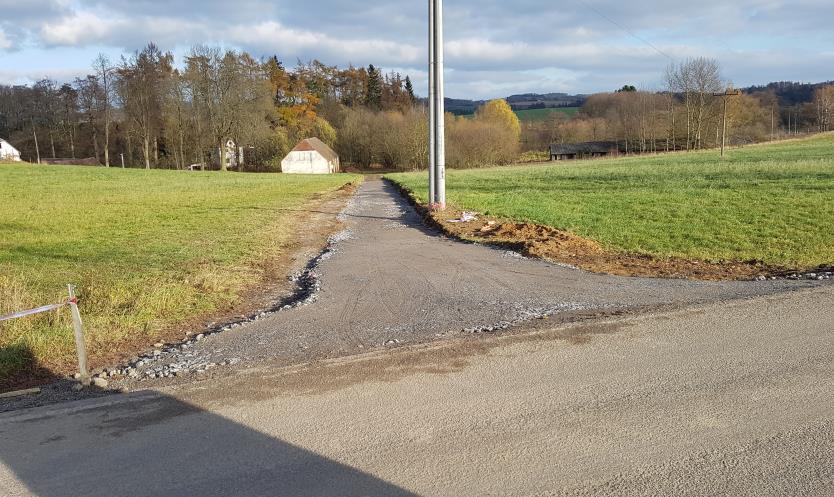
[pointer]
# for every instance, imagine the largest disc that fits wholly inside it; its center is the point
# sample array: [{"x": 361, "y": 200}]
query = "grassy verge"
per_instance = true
[
  {"x": 772, "y": 203},
  {"x": 147, "y": 249}
]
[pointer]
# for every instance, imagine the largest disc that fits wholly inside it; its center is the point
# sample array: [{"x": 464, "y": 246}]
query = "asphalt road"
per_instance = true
[{"x": 724, "y": 399}]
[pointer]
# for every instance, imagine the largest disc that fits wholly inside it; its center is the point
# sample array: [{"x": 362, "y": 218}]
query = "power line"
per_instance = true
[{"x": 626, "y": 30}]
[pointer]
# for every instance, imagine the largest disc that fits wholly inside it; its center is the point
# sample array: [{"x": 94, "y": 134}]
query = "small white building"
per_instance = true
[
  {"x": 8, "y": 152},
  {"x": 311, "y": 156}
]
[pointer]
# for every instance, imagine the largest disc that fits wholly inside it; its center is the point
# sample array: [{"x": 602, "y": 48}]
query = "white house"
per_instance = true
[
  {"x": 311, "y": 156},
  {"x": 8, "y": 152}
]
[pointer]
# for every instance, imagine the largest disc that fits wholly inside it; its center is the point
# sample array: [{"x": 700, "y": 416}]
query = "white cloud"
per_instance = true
[
  {"x": 5, "y": 42},
  {"x": 273, "y": 36},
  {"x": 494, "y": 47},
  {"x": 82, "y": 28}
]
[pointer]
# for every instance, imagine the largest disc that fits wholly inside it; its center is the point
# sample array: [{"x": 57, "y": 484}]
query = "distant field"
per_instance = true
[
  {"x": 147, "y": 249},
  {"x": 540, "y": 114},
  {"x": 543, "y": 114},
  {"x": 773, "y": 203}
]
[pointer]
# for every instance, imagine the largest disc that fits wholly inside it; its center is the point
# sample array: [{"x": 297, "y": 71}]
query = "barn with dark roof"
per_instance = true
[{"x": 587, "y": 150}]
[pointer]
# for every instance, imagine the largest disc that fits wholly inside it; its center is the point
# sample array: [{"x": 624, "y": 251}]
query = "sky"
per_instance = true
[{"x": 494, "y": 48}]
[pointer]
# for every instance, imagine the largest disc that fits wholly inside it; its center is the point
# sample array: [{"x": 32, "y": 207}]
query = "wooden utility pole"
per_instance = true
[{"x": 725, "y": 95}]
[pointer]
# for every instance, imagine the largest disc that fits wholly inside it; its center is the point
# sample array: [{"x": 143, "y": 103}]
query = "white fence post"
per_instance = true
[{"x": 80, "y": 346}]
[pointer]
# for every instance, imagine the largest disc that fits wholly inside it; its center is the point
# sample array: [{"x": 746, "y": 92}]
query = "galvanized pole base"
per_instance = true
[{"x": 80, "y": 345}]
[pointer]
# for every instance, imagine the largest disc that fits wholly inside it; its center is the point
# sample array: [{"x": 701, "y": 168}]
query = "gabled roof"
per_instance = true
[{"x": 316, "y": 145}]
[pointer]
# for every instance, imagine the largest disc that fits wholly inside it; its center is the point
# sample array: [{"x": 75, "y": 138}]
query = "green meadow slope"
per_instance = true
[
  {"x": 773, "y": 203},
  {"x": 147, "y": 249}
]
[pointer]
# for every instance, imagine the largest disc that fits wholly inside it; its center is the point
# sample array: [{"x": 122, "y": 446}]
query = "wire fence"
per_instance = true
[{"x": 78, "y": 328}]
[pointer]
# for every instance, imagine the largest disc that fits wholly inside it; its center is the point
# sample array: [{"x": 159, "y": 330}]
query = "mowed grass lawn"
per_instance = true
[
  {"x": 147, "y": 249},
  {"x": 773, "y": 203}
]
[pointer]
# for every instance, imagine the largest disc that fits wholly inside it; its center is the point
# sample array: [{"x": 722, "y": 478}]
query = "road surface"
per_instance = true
[{"x": 728, "y": 399}]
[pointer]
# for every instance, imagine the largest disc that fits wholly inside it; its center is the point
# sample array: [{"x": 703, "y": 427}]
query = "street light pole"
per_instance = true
[{"x": 437, "y": 108}]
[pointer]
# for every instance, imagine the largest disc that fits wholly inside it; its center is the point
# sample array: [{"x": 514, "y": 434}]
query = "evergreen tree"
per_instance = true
[
  {"x": 373, "y": 91},
  {"x": 409, "y": 89}
]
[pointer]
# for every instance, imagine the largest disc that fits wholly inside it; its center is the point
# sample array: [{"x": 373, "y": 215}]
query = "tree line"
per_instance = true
[
  {"x": 147, "y": 111},
  {"x": 685, "y": 114},
  {"x": 150, "y": 112}
]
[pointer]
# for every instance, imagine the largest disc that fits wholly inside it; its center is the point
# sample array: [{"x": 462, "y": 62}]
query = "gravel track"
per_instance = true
[{"x": 388, "y": 280}]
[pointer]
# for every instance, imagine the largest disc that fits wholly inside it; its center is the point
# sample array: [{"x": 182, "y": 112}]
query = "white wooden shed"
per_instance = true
[
  {"x": 311, "y": 156},
  {"x": 8, "y": 152}
]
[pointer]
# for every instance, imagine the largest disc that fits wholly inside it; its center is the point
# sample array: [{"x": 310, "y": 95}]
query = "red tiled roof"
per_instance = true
[{"x": 316, "y": 145}]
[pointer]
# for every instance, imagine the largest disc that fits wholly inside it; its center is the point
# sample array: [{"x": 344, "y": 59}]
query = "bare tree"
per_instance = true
[
  {"x": 142, "y": 86},
  {"x": 89, "y": 96},
  {"x": 68, "y": 98},
  {"x": 45, "y": 96},
  {"x": 104, "y": 71},
  {"x": 696, "y": 80},
  {"x": 177, "y": 113},
  {"x": 824, "y": 104},
  {"x": 232, "y": 96}
]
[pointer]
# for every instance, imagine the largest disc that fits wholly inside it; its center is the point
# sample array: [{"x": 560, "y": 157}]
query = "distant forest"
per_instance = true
[
  {"x": 146, "y": 110},
  {"x": 228, "y": 110},
  {"x": 789, "y": 93},
  {"x": 688, "y": 113}
]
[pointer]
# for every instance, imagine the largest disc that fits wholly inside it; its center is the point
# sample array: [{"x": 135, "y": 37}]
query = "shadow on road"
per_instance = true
[{"x": 155, "y": 445}]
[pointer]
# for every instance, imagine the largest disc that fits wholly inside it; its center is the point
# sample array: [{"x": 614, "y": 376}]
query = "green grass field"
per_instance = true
[
  {"x": 543, "y": 114},
  {"x": 773, "y": 203},
  {"x": 147, "y": 249}
]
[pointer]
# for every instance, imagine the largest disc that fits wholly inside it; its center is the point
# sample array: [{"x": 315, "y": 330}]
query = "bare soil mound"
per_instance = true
[{"x": 567, "y": 248}]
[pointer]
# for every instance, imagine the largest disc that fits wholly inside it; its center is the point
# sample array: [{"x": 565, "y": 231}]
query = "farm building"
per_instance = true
[
  {"x": 8, "y": 152},
  {"x": 311, "y": 156},
  {"x": 587, "y": 150}
]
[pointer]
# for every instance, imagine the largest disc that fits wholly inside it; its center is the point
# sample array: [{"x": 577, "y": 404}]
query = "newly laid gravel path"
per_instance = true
[{"x": 387, "y": 280}]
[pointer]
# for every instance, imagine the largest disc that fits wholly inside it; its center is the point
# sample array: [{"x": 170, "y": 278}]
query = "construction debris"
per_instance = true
[{"x": 465, "y": 217}]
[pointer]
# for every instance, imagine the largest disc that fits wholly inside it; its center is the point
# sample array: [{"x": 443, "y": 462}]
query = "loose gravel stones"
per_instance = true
[{"x": 100, "y": 382}]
